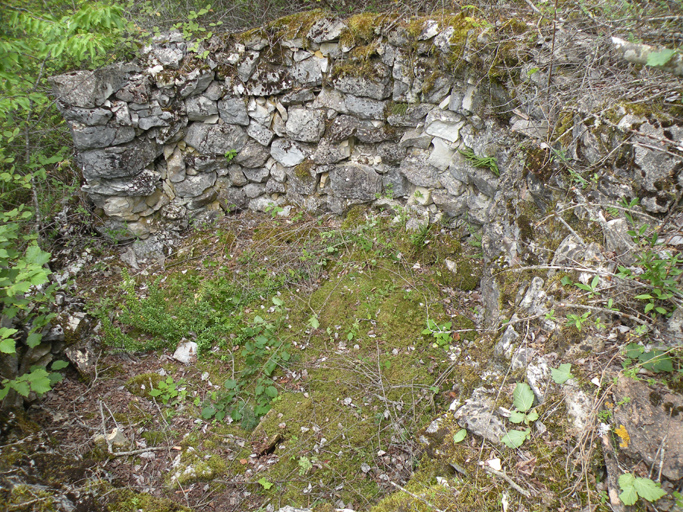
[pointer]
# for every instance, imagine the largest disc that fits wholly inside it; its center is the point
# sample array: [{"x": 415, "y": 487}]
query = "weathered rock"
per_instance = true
[
  {"x": 358, "y": 182},
  {"x": 287, "y": 152},
  {"x": 444, "y": 124},
  {"x": 200, "y": 108},
  {"x": 330, "y": 153},
  {"x": 193, "y": 186},
  {"x": 325, "y": 30},
  {"x": 253, "y": 155},
  {"x": 260, "y": 133},
  {"x": 418, "y": 171},
  {"x": 196, "y": 82},
  {"x": 89, "y": 89},
  {"x": 269, "y": 81},
  {"x": 655, "y": 164},
  {"x": 257, "y": 175},
  {"x": 119, "y": 161},
  {"x": 216, "y": 139},
  {"x": 477, "y": 416},
  {"x": 102, "y": 136},
  {"x": 413, "y": 115},
  {"x": 247, "y": 66},
  {"x": 253, "y": 190},
  {"x": 342, "y": 128},
  {"x": 653, "y": 419},
  {"x": 305, "y": 125},
  {"x": 302, "y": 182},
  {"x": 364, "y": 108},
  {"x": 298, "y": 97},
  {"x": 233, "y": 111},
  {"x": 416, "y": 139},
  {"x": 175, "y": 166},
  {"x": 144, "y": 184},
  {"x": 232, "y": 199},
  {"x": 308, "y": 73},
  {"x": 374, "y": 84},
  {"x": 87, "y": 116}
]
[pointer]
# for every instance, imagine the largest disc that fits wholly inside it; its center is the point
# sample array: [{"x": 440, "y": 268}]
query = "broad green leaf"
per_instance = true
[
  {"x": 230, "y": 384},
  {"x": 459, "y": 435},
  {"x": 314, "y": 322},
  {"x": 21, "y": 387},
  {"x": 562, "y": 374},
  {"x": 629, "y": 495},
  {"x": 515, "y": 438},
  {"x": 33, "y": 339},
  {"x": 660, "y": 58},
  {"x": 271, "y": 391},
  {"x": 7, "y": 346},
  {"x": 531, "y": 417},
  {"x": 59, "y": 365},
  {"x": 626, "y": 480},
  {"x": 265, "y": 483},
  {"x": 208, "y": 412},
  {"x": 522, "y": 397},
  {"x": 517, "y": 417},
  {"x": 648, "y": 490}
]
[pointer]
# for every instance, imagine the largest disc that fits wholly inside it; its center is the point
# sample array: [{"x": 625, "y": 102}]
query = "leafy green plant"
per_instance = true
[
  {"x": 653, "y": 360},
  {"x": 265, "y": 483},
  {"x": 170, "y": 392},
  {"x": 419, "y": 238},
  {"x": 441, "y": 333},
  {"x": 577, "y": 320},
  {"x": 562, "y": 374},
  {"x": 230, "y": 154},
  {"x": 522, "y": 400},
  {"x": 485, "y": 162},
  {"x": 591, "y": 288},
  {"x": 459, "y": 436},
  {"x": 633, "y": 488},
  {"x": 305, "y": 465}
]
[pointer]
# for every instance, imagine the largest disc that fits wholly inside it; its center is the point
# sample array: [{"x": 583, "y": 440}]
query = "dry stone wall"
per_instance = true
[{"x": 311, "y": 115}]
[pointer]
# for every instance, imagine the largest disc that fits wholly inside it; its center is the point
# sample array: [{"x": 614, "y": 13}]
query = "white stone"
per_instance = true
[
  {"x": 444, "y": 124},
  {"x": 442, "y": 154},
  {"x": 287, "y": 152},
  {"x": 186, "y": 352}
]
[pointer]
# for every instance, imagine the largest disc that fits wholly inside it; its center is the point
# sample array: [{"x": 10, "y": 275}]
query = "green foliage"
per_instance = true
[
  {"x": 441, "y": 333},
  {"x": 577, "y": 320},
  {"x": 660, "y": 58},
  {"x": 170, "y": 392},
  {"x": 562, "y": 374},
  {"x": 459, "y": 436},
  {"x": 653, "y": 360},
  {"x": 522, "y": 400},
  {"x": 590, "y": 288},
  {"x": 230, "y": 154},
  {"x": 634, "y": 487},
  {"x": 484, "y": 162}
]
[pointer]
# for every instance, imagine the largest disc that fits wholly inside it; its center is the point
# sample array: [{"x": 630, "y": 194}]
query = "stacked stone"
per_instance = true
[{"x": 172, "y": 136}]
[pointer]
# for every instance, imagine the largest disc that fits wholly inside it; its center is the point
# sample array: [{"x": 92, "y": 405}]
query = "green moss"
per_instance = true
[
  {"x": 354, "y": 217},
  {"x": 360, "y": 29},
  {"x": 36, "y": 499},
  {"x": 303, "y": 170},
  {"x": 398, "y": 109},
  {"x": 296, "y": 25},
  {"x": 126, "y": 500},
  {"x": 140, "y": 385}
]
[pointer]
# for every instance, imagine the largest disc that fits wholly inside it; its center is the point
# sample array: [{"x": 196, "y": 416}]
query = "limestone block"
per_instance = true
[
  {"x": 233, "y": 110},
  {"x": 305, "y": 125},
  {"x": 215, "y": 139}
]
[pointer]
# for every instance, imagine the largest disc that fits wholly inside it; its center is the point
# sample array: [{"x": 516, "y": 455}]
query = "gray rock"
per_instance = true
[
  {"x": 200, "y": 108},
  {"x": 451, "y": 206},
  {"x": 332, "y": 99},
  {"x": 298, "y": 97},
  {"x": 391, "y": 153},
  {"x": 395, "y": 184},
  {"x": 135, "y": 91},
  {"x": 618, "y": 240},
  {"x": 247, "y": 67},
  {"x": 530, "y": 128},
  {"x": 364, "y": 108},
  {"x": 144, "y": 184},
  {"x": 414, "y": 115},
  {"x": 275, "y": 187},
  {"x": 504, "y": 347},
  {"x": 444, "y": 124},
  {"x": 308, "y": 73},
  {"x": 375, "y": 84},
  {"x": 651, "y": 417},
  {"x": 261, "y": 204},
  {"x": 89, "y": 89},
  {"x": 416, "y": 139},
  {"x": 87, "y": 116},
  {"x": 119, "y": 161},
  {"x": 269, "y": 81},
  {"x": 168, "y": 57},
  {"x": 202, "y": 163},
  {"x": 147, "y": 123},
  {"x": 655, "y": 164},
  {"x": 418, "y": 171},
  {"x": 538, "y": 377},
  {"x": 287, "y": 152},
  {"x": 325, "y": 30},
  {"x": 257, "y": 175},
  {"x": 253, "y": 155},
  {"x": 196, "y": 82},
  {"x": 357, "y": 182},
  {"x": 342, "y": 128},
  {"x": 236, "y": 175},
  {"x": 214, "y": 91},
  {"x": 194, "y": 186},
  {"x": 175, "y": 166},
  {"x": 260, "y": 133},
  {"x": 374, "y": 132},
  {"x": 442, "y": 153},
  {"x": 233, "y": 111},
  {"x": 330, "y": 153},
  {"x": 305, "y": 125},
  {"x": 252, "y": 190},
  {"x": 232, "y": 199},
  {"x": 93, "y": 137},
  {"x": 208, "y": 197},
  {"x": 301, "y": 183},
  {"x": 215, "y": 139},
  {"x": 477, "y": 417}
]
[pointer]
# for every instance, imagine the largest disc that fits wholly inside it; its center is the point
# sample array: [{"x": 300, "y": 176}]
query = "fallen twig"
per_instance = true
[{"x": 509, "y": 480}]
